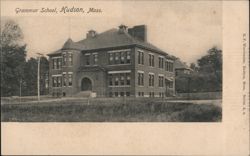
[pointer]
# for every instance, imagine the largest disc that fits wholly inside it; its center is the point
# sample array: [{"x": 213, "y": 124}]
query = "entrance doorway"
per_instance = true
[{"x": 86, "y": 84}]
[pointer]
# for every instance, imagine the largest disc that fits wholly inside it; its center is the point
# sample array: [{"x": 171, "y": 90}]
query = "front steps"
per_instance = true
[{"x": 86, "y": 94}]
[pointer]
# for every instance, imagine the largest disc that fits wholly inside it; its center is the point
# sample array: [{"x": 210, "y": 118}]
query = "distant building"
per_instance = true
[
  {"x": 115, "y": 63},
  {"x": 181, "y": 68}
]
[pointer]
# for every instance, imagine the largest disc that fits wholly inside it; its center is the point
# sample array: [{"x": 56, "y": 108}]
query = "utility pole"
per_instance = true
[
  {"x": 124, "y": 89},
  {"x": 166, "y": 91},
  {"x": 20, "y": 90},
  {"x": 38, "y": 76}
]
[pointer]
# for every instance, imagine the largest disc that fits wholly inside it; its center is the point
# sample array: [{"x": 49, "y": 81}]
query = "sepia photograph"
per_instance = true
[{"x": 127, "y": 69}]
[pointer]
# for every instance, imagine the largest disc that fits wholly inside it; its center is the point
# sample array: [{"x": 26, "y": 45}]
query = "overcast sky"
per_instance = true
[{"x": 183, "y": 29}]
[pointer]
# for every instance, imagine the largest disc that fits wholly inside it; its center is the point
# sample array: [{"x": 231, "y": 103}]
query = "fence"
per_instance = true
[{"x": 200, "y": 95}]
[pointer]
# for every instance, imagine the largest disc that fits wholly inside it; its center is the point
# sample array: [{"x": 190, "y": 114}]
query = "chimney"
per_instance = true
[
  {"x": 139, "y": 32},
  {"x": 91, "y": 33},
  {"x": 122, "y": 28}
]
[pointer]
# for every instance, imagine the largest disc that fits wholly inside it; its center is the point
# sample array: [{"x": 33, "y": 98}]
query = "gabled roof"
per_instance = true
[
  {"x": 109, "y": 39},
  {"x": 69, "y": 44},
  {"x": 180, "y": 65},
  {"x": 113, "y": 38},
  {"x": 57, "y": 52}
]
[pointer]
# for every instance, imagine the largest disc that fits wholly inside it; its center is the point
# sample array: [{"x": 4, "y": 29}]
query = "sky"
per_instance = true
[{"x": 185, "y": 29}]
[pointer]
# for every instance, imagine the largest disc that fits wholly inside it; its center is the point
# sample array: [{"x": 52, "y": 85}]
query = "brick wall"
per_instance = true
[
  {"x": 148, "y": 69},
  {"x": 99, "y": 77}
]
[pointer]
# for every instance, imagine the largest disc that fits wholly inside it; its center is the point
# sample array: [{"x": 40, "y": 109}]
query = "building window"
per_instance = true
[
  {"x": 64, "y": 59},
  {"x": 59, "y": 81},
  {"x": 47, "y": 80},
  {"x": 151, "y": 94},
  {"x": 141, "y": 94},
  {"x": 170, "y": 84},
  {"x": 119, "y": 78},
  {"x": 59, "y": 63},
  {"x": 70, "y": 59},
  {"x": 110, "y": 94},
  {"x": 122, "y": 93},
  {"x": 116, "y": 94},
  {"x": 54, "y": 63},
  {"x": 161, "y": 94},
  {"x": 169, "y": 66},
  {"x": 87, "y": 59},
  {"x": 140, "y": 79},
  {"x": 161, "y": 80},
  {"x": 56, "y": 81},
  {"x": 70, "y": 79},
  {"x": 166, "y": 65},
  {"x": 151, "y": 79},
  {"x": 128, "y": 78},
  {"x": 110, "y": 79},
  {"x": 151, "y": 60},
  {"x": 128, "y": 59},
  {"x": 127, "y": 93},
  {"x": 95, "y": 59},
  {"x": 122, "y": 79},
  {"x": 111, "y": 58},
  {"x": 161, "y": 62},
  {"x": 64, "y": 80},
  {"x": 117, "y": 56},
  {"x": 116, "y": 81},
  {"x": 140, "y": 57},
  {"x": 122, "y": 57}
]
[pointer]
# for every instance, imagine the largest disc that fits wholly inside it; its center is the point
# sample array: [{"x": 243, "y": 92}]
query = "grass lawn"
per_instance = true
[{"x": 110, "y": 110}]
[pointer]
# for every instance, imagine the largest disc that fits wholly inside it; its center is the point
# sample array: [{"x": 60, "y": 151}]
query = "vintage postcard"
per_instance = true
[{"x": 124, "y": 77}]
